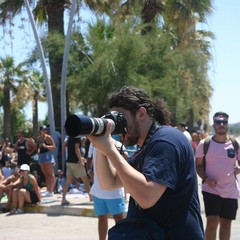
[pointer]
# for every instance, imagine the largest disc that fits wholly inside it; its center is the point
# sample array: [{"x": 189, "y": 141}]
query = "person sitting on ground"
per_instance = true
[
  {"x": 28, "y": 191},
  {"x": 6, "y": 170},
  {"x": 7, "y": 186}
]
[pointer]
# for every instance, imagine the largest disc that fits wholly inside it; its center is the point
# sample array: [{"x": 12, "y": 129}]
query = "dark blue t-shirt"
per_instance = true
[{"x": 168, "y": 159}]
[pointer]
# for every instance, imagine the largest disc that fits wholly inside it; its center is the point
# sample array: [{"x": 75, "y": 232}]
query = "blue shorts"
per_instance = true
[
  {"x": 108, "y": 206},
  {"x": 46, "y": 157}
]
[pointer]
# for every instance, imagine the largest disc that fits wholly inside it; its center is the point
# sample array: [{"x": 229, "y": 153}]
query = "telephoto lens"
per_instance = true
[{"x": 76, "y": 125}]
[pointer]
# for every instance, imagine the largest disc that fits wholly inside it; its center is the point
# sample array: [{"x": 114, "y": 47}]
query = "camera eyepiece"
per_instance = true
[{"x": 76, "y": 125}]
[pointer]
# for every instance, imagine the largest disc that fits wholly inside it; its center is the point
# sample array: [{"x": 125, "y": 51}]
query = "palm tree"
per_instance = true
[
  {"x": 53, "y": 13},
  {"x": 33, "y": 88},
  {"x": 179, "y": 19},
  {"x": 11, "y": 79}
]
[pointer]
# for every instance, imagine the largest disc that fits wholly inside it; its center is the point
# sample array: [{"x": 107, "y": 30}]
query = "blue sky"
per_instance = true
[{"x": 224, "y": 73}]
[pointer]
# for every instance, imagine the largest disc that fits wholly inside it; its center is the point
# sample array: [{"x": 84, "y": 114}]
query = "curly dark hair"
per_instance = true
[{"x": 132, "y": 98}]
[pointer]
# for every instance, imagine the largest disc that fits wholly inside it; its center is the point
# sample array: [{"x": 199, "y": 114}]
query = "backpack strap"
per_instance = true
[
  {"x": 206, "y": 144},
  {"x": 205, "y": 149}
]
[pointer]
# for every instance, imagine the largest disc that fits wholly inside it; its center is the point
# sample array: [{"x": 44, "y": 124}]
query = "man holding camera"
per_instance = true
[
  {"x": 160, "y": 175},
  {"x": 217, "y": 168}
]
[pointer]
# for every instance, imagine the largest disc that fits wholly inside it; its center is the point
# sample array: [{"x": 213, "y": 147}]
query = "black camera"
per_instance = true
[{"x": 76, "y": 125}]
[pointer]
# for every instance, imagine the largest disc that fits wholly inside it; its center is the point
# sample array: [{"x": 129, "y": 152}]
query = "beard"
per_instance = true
[
  {"x": 221, "y": 130},
  {"x": 132, "y": 136}
]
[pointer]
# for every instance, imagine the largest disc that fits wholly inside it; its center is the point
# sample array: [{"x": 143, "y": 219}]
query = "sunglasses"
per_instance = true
[{"x": 219, "y": 122}]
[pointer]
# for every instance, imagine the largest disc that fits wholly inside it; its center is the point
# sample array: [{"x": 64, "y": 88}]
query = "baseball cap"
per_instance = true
[
  {"x": 43, "y": 127},
  {"x": 220, "y": 116},
  {"x": 25, "y": 167}
]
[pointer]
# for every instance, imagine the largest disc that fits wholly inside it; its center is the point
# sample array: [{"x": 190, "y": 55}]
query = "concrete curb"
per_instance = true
[
  {"x": 77, "y": 207},
  {"x": 61, "y": 210}
]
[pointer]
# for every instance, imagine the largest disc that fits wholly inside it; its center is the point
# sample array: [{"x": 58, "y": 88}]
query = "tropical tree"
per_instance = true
[
  {"x": 37, "y": 95},
  {"x": 11, "y": 78},
  {"x": 168, "y": 30},
  {"x": 53, "y": 13},
  {"x": 111, "y": 62},
  {"x": 174, "y": 63},
  {"x": 32, "y": 89}
]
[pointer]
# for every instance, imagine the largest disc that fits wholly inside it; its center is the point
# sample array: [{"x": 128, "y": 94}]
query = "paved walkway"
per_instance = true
[{"x": 81, "y": 206}]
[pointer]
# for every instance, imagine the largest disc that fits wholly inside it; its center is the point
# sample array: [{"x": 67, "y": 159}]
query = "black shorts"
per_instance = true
[
  {"x": 33, "y": 197},
  {"x": 218, "y": 206}
]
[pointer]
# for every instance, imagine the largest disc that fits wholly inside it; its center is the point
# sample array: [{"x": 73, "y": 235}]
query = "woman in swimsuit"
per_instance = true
[{"x": 28, "y": 191}]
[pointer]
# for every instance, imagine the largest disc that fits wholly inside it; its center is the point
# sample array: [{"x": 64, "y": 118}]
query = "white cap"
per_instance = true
[{"x": 25, "y": 167}]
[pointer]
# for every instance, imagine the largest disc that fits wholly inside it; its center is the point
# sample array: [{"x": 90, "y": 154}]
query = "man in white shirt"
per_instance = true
[
  {"x": 183, "y": 128},
  {"x": 105, "y": 202}
]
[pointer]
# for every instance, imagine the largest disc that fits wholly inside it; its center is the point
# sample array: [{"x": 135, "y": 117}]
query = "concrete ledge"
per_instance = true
[
  {"x": 61, "y": 210},
  {"x": 77, "y": 207},
  {"x": 52, "y": 205}
]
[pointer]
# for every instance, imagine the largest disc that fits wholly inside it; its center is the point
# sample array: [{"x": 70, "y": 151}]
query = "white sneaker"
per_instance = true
[{"x": 47, "y": 194}]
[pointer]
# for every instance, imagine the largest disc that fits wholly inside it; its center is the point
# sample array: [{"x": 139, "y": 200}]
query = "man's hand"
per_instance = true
[
  {"x": 104, "y": 143},
  {"x": 211, "y": 182}
]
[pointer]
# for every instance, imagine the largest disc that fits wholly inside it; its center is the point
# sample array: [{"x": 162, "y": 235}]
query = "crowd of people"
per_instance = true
[
  {"x": 16, "y": 180},
  {"x": 158, "y": 175}
]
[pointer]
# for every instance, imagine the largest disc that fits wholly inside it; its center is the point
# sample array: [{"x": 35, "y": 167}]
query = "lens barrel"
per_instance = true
[{"x": 76, "y": 125}]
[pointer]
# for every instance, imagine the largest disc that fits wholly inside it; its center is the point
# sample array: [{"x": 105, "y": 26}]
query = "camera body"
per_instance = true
[{"x": 76, "y": 125}]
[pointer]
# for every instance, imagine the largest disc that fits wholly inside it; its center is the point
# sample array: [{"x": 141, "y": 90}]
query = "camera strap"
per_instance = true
[
  {"x": 154, "y": 127},
  {"x": 151, "y": 131}
]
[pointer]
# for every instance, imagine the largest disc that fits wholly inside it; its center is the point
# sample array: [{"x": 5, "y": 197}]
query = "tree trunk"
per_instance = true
[
  {"x": 35, "y": 115},
  {"x": 56, "y": 24},
  {"x": 7, "y": 111}
]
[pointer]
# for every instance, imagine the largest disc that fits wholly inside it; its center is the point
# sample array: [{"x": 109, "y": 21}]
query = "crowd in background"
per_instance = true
[{"x": 37, "y": 153}]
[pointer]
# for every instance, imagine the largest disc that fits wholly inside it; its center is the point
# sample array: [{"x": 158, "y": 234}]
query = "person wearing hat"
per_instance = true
[
  {"x": 7, "y": 186},
  {"x": 218, "y": 169},
  {"x": 28, "y": 191},
  {"x": 45, "y": 145}
]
